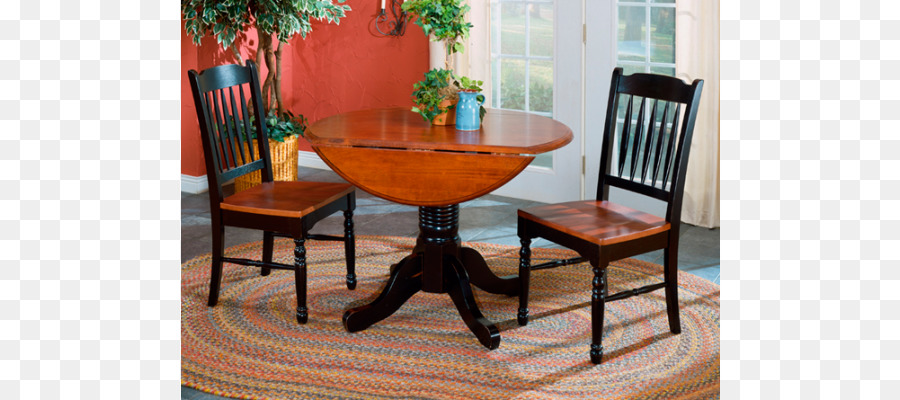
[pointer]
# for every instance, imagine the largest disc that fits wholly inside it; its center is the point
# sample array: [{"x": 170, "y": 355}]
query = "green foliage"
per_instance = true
[
  {"x": 285, "y": 126},
  {"x": 470, "y": 85},
  {"x": 444, "y": 18},
  {"x": 278, "y": 127},
  {"x": 430, "y": 92},
  {"x": 225, "y": 19}
]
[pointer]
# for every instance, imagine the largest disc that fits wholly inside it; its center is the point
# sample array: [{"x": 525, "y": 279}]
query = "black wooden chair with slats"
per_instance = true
[
  {"x": 647, "y": 155},
  {"x": 284, "y": 209}
]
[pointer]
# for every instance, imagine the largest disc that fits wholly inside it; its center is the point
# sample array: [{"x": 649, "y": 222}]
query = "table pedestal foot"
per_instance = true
[
  {"x": 482, "y": 277},
  {"x": 405, "y": 281},
  {"x": 461, "y": 293}
]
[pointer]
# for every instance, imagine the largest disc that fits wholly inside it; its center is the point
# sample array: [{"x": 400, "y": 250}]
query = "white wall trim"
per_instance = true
[
  {"x": 310, "y": 159},
  {"x": 194, "y": 184},
  {"x": 199, "y": 184}
]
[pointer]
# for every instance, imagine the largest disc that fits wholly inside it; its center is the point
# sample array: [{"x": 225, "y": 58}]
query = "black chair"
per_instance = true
[
  {"x": 285, "y": 209},
  {"x": 647, "y": 155}
]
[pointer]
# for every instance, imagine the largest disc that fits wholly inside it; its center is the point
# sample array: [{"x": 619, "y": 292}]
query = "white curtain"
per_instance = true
[{"x": 697, "y": 56}]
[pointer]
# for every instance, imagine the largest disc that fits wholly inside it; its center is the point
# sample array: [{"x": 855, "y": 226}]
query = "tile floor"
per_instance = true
[{"x": 490, "y": 219}]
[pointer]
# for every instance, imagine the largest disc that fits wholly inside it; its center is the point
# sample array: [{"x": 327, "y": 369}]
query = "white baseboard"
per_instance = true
[
  {"x": 310, "y": 159},
  {"x": 199, "y": 184},
  {"x": 194, "y": 184}
]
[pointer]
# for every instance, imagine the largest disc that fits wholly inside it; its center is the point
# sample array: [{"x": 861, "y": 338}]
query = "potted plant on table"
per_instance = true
[
  {"x": 434, "y": 97},
  {"x": 465, "y": 84},
  {"x": 444, "y": 21},
  {"x": 276, "y": 22}
]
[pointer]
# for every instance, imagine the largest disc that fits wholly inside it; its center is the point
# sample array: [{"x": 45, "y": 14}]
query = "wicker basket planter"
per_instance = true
[{"x": 284, "y": 164}]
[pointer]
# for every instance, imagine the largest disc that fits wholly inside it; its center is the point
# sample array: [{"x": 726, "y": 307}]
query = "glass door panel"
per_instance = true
[{"x": 522, "y": 59}]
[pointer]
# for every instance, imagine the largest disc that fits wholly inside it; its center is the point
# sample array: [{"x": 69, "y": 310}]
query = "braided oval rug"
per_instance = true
[{"x": 250, "y": 346}]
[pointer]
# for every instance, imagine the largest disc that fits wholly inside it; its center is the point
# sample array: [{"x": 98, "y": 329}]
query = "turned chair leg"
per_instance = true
[
  {"x": 670, "y": 275},
  {"x": 300, "y": 279},
  {"x": 218, "y": 252},
  {"x": 524, "y": 278},
  {"x": 268, "y": 248},
  {"x": 598, "y": 303},
  {"x": 350, "y": 249}
]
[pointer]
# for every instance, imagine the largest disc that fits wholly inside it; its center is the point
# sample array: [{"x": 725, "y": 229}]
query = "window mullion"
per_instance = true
[
  {"x": 649, "y": 36},
  {"x": 527, "y": 56}
]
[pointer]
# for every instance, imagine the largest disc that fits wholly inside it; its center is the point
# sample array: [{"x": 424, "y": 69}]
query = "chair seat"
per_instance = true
[
  {"x": 599, "y": 222},
  {"x": 286, "y": 199}
]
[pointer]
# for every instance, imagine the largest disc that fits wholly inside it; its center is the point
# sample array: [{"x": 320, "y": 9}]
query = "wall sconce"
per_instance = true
[{"x": 394, "y": 25}]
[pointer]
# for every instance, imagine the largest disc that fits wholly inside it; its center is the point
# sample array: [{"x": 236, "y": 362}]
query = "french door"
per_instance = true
[
  {"x": 555, "y": 58},
  {"x": 536, "y": 65}
]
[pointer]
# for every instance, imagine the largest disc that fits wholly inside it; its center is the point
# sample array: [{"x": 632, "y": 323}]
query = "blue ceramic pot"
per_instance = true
[{"x": 467, "y": 111}]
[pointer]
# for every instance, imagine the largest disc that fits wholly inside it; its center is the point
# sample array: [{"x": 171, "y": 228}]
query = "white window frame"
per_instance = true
[
  {"x": 528, "y": 57},
  {"x": 649, "y": 6}
]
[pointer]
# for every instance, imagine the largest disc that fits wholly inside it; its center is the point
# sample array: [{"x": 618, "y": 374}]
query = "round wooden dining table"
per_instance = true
[{"x": 394, "y": 154}]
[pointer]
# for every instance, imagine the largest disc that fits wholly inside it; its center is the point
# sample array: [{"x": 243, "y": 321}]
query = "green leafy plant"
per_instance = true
[
  {"x": 429, "y": 93},
  {"x": 274, "y": 20},
  {"x": 279, "y": 127},
  {"x": 445, "y": 19},
  {"x": 469, "y": 85},
  {"x": 285, "y": 126}
]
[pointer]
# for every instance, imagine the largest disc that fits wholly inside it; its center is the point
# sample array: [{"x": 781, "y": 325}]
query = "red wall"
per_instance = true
[{"x": 337, "y": 68}]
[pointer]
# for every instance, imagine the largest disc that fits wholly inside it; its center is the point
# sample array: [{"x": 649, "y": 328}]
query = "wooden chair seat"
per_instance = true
[
  {"x": 286, "y": 199},
  {"x": 599, "y": 222}
]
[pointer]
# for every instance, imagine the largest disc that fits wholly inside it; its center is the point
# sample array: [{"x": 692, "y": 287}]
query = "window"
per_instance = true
[
  {"x": 639, "y": 49},
  {"x": 645, "y": 36},
  {"x": 522, "y": 59}
]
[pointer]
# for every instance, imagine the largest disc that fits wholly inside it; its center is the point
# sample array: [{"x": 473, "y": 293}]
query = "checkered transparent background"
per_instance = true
[
  {"x": 89, "y": 203},
  {"x": 89, "y": 199},
  {"x": 810, "y": 116}
]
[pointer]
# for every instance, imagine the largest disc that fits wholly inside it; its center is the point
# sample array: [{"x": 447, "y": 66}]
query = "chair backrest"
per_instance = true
[
  {"x": 647, "y": 137},
  {"x": 220, "y": 96}
]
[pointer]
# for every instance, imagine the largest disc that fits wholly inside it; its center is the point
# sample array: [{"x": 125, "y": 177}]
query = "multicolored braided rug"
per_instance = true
[{"x": 250, "y": 346}]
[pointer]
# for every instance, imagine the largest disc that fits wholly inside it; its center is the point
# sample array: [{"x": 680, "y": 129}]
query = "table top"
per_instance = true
[{"x": 502, "y": 132}]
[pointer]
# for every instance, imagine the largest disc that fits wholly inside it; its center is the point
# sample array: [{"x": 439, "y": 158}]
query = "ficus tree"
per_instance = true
[{"x": 276, "y": 22}]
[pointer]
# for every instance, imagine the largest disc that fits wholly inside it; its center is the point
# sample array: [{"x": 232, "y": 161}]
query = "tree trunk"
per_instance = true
[
  {"x": 265, "y": 42},
  {"x": 237, "y": 53},
  {"x": 260, "y": 54},
  {"x": 448, "y": 46},
  {"x": 277, "y": 87}
]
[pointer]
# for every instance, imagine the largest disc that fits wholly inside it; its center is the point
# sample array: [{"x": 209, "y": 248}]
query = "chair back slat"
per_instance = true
[
  {"x": 213, "y": 117},
  {"x": 670, "y": 149},
  {"x": 659, "y": 142},
  {"x": 227, "y": 136},
  {"x": 236, "y": 126},
  {"x": 636, "y": 140},
  {"x": 648, "y": 154},
  {"x": 648, "y": 144},
  {"x": 626, "y": 133},
  {"x": 245, "y": 117},
  {"x": 225, "y": 124}
]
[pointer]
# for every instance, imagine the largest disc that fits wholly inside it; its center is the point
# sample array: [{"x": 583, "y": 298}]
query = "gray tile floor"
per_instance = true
[{"x": 490, "y": 219}]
